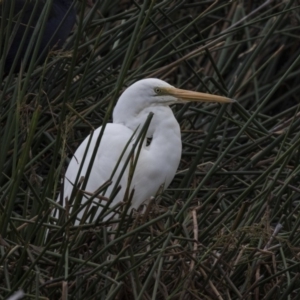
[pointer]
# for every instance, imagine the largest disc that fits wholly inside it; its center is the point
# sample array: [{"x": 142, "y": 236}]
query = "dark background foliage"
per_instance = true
[{"x": 228, "y": 226}]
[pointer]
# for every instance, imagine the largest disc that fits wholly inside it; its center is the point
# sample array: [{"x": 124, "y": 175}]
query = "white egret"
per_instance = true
[{"x": 157, "y": 163}]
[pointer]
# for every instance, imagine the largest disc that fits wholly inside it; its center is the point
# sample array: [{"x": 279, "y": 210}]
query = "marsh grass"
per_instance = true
[{"x": 228, "y": 226}]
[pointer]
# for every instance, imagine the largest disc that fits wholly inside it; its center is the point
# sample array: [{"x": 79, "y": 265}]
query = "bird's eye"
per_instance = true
[{"x": 157, "y": 90}]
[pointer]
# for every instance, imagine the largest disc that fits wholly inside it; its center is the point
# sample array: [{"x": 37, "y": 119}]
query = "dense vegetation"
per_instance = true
[{"x": 228, "y": 226}]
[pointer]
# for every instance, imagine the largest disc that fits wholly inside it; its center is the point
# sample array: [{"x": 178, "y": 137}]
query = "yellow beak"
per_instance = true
[{"x": 186, "y": 95}]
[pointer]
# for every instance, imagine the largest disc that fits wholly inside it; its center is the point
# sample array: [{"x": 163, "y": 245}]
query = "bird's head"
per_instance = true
[{"x": 149, "y": 94}]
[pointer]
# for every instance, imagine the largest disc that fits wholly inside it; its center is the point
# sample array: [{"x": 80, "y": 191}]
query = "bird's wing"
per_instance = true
[{"x": 113, "y": 142}]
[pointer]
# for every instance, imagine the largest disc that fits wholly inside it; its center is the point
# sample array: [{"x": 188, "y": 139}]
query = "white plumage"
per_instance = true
[{"x": 157, "y": 162}]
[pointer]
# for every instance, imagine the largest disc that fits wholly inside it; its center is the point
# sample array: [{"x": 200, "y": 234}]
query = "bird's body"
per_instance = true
[
  {"x": 157, "y": 163},
  {"x": 147, "y": 177},
  {"x": 59, "y": 24}
]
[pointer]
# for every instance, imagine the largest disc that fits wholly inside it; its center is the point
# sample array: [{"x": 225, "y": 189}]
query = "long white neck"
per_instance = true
[
  {"x": 164, "y": 129},
  {"x": 158, "y": 162},
  {"x": 166, "y": 143}
]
